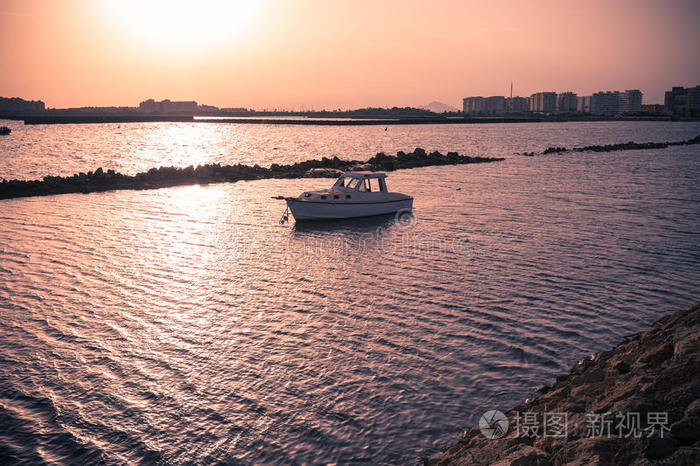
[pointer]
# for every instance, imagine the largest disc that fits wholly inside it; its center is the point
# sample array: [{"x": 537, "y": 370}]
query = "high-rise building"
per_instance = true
[
  {"x": 567, "y": 102},
  {"x": 605, "y": 103},
  {"x": 692, "y": 101},
  {"x": 630, "y": 101},
  {"x": 473, "y": 105},
  {"x": 583, "y": 104},
  {"x": 674, "y": 100},
  {"x": 495, "y": 105},
  {"x": 518, "y": 105},
  {"x": 543, "y": 102},
  {"x": 683, "y": 101}
]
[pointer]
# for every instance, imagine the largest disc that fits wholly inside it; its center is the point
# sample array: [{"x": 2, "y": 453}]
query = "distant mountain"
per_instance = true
[{"x": 439, "y": 107}]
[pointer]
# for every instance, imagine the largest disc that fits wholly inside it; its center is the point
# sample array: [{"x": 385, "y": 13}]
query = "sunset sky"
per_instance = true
[{"x": 341, "y": 54}]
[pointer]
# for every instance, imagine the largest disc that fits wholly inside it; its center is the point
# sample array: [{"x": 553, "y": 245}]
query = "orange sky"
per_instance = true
[{"x": 340, "y": 54}]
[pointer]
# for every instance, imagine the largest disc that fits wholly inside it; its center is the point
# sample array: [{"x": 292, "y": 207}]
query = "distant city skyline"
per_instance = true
[{"x": 328, "y": 55}]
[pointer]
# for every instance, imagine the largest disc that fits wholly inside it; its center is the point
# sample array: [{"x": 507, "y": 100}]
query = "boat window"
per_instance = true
[
  {"x": 352, "y": 184},
  {"x": 323, "y": 197},
  {"x": 341, "y": 181},
  {"x": 364, "y": 186},
  {"x": 335, "y": 196}
]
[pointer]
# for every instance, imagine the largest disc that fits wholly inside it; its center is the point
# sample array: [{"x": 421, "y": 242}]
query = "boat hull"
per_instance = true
[{"x": 305, "y": 210}]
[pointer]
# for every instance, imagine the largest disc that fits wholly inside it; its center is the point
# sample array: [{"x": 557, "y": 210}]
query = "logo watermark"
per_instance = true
[
  {"x": 404, "y": 218},
  {"x": 494, "y": 424}
]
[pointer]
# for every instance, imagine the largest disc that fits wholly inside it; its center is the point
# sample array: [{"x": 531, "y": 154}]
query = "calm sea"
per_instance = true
[{"x": 186, "y": 325}]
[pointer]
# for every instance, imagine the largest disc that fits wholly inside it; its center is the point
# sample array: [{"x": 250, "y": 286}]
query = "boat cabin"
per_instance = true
[
  {"x": 362, "y": 181},
  {"x": 354, "y": 194}
]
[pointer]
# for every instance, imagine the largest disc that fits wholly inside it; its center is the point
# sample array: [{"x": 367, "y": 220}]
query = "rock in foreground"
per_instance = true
[{"x": 638, "y": 403}]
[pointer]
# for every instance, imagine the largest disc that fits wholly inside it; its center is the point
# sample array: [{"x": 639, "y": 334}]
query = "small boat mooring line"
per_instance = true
[{"x": 285, "y": 216}]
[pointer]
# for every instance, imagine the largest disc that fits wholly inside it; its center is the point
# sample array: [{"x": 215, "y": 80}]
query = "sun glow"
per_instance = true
[{"x": 177, "y": 25}]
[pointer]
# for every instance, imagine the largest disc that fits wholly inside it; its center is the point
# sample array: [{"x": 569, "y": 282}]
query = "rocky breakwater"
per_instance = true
[
  {"x": 631, "y": 145},
  {"x": 105, "y": 180},
  {"x": 638, "y": 403}
]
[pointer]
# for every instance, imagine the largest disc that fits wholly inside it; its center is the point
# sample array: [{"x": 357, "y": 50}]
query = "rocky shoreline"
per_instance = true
[
  {"x": 101, "y": 180},
  {"x": 638, "y": 403},
  {"x": 631, "y": 145}
]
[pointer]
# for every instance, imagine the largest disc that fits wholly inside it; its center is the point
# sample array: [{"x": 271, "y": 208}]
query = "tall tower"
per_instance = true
[{"x": 510, "y": 102}]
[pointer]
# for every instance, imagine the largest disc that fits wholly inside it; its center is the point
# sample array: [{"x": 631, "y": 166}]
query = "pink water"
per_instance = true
[{"x": 185, "y": 325}]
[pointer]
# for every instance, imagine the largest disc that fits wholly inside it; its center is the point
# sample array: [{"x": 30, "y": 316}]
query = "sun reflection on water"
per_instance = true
[{"x": 182, "y": 144}]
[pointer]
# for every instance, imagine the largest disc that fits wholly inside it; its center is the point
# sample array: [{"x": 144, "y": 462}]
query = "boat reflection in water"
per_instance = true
[{"x": 355, "y": 225}]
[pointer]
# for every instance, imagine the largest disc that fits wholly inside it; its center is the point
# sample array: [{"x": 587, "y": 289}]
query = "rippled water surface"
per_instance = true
[
  {"x": 185, "y": 325},
  {"x": 34, "y": 151}
]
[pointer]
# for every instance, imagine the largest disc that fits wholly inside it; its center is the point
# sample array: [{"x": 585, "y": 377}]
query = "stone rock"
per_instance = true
[
  {"x": 640, "y": 375},
  {"x": 684, "y": 456},
  {"x": 659, "y": 448},
  {"x": 687, "y": 430},
  {"x": 693, "y": 408},
  {"x": 324, "y": 173},
  {"x": 623, "y": 367},
  {"x": 656, "y": 356}
]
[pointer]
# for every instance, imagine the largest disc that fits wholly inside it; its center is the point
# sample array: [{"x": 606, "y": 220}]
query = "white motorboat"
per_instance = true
[{"x": 354, "y": 194}]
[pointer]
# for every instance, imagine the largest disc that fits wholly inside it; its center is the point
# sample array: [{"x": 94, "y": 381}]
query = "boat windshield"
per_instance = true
[{"x": 352, "y": 183}]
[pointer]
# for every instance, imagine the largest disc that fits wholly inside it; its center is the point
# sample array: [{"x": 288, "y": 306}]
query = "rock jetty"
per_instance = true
[
  {"x": 622, "y": 146},
  {"x": 638, "y": 403},
  {"x": 106, "y": 180}
]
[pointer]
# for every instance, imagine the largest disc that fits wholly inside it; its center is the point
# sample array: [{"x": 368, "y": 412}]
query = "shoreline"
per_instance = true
[
  {"x": 652, "y": 376},
  {"x": 320, "y": 121}
]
